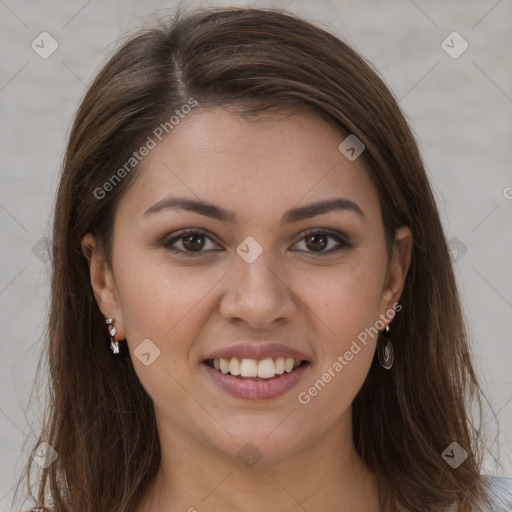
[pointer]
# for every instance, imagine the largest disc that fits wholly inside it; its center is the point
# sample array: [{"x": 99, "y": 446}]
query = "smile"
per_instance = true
[
  {"x": 264, "y": 369},
  {"x": 252, "y": 379}
]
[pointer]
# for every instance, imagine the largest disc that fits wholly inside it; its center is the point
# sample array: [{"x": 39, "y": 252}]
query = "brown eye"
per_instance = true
[
  {"x": 193, "y": 242},
  {"x": 190, "y": 243},
  {"x": 320, "y": 242},
  {"x": 317, "y": 242}
]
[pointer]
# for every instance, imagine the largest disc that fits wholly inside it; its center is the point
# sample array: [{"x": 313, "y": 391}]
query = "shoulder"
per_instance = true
[{"x": 500, "y": 490}]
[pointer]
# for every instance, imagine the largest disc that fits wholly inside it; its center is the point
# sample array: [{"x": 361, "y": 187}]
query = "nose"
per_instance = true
[{"x": 258, "y": 294}]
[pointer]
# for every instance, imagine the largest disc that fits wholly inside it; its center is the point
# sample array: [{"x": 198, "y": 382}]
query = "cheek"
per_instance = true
[
  {"x": 348, "y": 306},
  {"x": 347, "y": 300},
  {"x": 160, "y": 302},
  {"x": 166, "y": 305}
]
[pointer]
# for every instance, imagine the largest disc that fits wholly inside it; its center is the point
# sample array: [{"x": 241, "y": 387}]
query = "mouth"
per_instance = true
[
  {"x": 253, "y": 379},
  {"x": 255, "y": 370}
]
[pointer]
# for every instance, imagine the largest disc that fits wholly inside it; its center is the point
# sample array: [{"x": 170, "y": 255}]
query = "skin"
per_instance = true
[{"x": 292, "y": 293}]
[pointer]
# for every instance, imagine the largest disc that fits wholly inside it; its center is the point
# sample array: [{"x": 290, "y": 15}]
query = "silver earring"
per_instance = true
[
  {"x": 385, "y": 351},
  {"x": 112, "y": 330}
]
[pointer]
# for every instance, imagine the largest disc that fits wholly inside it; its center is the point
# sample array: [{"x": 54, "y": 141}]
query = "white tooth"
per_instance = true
[
  {"x": 296, "y": 363},
  {"x": 266, "y": 369},
  {"x": 248, "y": 368},
  {"x": 216, "y": 364},
  {"x": 224, "y": 365},
  {"x": 288, "y": 364},
  {"x": 279, "y": 365},
  {"x": 234, "y": 366}
]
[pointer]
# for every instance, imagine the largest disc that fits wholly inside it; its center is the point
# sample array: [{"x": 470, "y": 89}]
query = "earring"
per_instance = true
[
  {"x": 114, "y": 345},
  {"x": 385, "y": 351}
]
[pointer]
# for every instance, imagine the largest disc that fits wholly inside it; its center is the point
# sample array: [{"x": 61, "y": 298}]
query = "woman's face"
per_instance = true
[{"x": 274, "y": 268}]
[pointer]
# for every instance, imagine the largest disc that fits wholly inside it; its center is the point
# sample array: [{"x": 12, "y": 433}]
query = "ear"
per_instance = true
[
  {"x": 103, "y": 285},
  {"x": 397, "y": 268}
]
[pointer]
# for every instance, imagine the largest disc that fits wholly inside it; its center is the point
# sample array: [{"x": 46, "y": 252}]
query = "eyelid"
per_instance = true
[{"x": 327, "y": 231}]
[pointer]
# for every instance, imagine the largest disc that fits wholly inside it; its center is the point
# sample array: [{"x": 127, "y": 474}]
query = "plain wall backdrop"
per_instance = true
[{"x": 458, "y": 101}]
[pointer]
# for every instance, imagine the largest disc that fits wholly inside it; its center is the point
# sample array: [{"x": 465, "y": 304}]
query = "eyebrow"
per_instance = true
[{"x": 216, "y": 212}]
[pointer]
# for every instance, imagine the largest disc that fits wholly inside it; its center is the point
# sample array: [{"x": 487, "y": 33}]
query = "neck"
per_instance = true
[{"x": 328, "y": 476}]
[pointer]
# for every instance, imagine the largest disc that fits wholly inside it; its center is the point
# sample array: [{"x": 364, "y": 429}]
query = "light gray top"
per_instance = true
[{"x": 501, "y": 493}]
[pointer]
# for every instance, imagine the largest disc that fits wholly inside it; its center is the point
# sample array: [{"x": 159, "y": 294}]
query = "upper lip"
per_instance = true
[{"x": 259, "y": 351}]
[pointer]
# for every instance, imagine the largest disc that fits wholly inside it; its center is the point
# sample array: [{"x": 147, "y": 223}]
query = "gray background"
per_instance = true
[{"x": 460, "y": 110}]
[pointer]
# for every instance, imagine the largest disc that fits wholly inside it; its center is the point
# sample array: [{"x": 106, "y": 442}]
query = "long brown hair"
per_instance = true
[{"x": 100, "y": 420}]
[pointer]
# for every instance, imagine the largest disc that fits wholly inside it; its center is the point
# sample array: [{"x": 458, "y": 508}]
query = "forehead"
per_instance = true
[{"x": 250, "y": 166}]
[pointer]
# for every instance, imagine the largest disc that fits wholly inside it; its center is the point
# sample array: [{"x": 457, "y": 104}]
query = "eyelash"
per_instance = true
[{"x": 343, "y": 243}]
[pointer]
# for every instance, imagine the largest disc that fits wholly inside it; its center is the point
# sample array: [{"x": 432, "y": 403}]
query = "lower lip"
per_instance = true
[{"x": 257, "y": 390}]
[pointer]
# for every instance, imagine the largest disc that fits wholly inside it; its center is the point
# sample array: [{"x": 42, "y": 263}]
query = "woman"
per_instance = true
[{"x": 253, "y": 305}]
